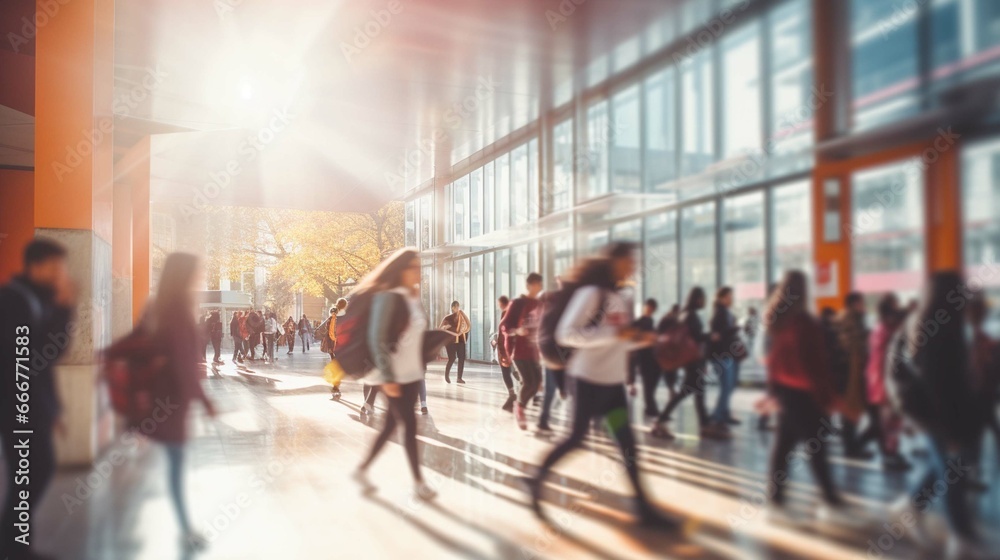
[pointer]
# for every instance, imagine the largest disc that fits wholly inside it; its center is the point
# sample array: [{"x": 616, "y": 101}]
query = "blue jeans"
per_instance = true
[
  {"x": 727, "y": 369},
  {"x": 944, "y": 476},
  {"x": 175, "y": 476},
  {"x": 553, "y": 382}
]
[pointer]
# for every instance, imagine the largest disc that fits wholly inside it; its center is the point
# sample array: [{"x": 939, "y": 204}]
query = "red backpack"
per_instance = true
[
  {"x": 675, "y": 348},
  {"x": 133, "y": 369}
]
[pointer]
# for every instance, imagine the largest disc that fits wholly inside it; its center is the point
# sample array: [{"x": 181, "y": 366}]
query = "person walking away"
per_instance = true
[
  {"x": 555, "y": 372},
  {"x": 170, "y": 320},
  {"x": 270, "y": 331},
  {"x": 329, "y": 342},
  {"x": 519, "y": 327},
  {"x": 727, "y": 352},
  {"x": 928, "y": 380},
  {"x": 890, "y": 317},
  {"x": 215, "y": 334},
  {"x": 395, "y": 339},
  {"x": 644, "y": 362},
  {"x": 596, "y": 325},
  {"x": 234, "y": 333},
  {"x": 305, "y": 332},
  {"x": 668, "y": 322},
  {"x": 255, "y": 326},
  {"x": 503, "y": 358},
  {"x": 854, "y": 343},
  {"x": 694, "y": 374},
  {"x": 245, "y": 336},
  {"x": 37, "y": 309},
  {"x": 458, "y": 324},
  {"x": 203, "y": 337},
  {"x": 290, "y": 330},
  {"x": 799, "y": 379}
]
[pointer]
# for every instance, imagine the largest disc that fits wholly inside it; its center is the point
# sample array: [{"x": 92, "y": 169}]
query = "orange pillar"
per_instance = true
[
  {"x": 132, "y": 224},
  {"x": 74, "y": 91},
  {"x": 944, "y": 211}
]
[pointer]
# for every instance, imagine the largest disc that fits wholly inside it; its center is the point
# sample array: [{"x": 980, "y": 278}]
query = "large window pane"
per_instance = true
[
  {"x": 475, "y": 203},
  {"x": 561, "y": 248},
  {"x": 490, "y": 298},
  {"x": 660, "y": 259},
  {"x": 461, "y": 285},
  {"x": 522, "y": 266},
  {"x": 791, "y": 222},
  {"x": 981, "y": 215},
  {"x": 599, "y": 133},
  {"x": 625, "y": 141},
  {"x": 744, "y": 262},
  {"x": 888, "y": 229},
  {"x": 698, "y": 248},
  {"x": 696, "y": 96},
  {"x": 661, "y": 129},
  {"x": 533, "y": 200},
  {"x": 741, "y": 91},
  {"x": 449, "y": 213},
  {"x": 519, "y": 183},
  {"x": 884, "y": 58},
  {"x": 502, "y": 186},
  {"x": 791, "y": 78},
  {"x": 425, "y": 222},
  {"x": 503, "y": 285},
  {"x": 460, "y": 192},
  {"x": 479, "y": 329},
  {"x": 410, "y": 231},
  {"x": 489, "y": 198},
  {"x": 562, "y": 165},
  {"x": 965, "y": 35}
]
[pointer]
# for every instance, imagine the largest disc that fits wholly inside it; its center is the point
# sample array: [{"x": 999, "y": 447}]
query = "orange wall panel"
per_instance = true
[{"x": 17, "y": 224}]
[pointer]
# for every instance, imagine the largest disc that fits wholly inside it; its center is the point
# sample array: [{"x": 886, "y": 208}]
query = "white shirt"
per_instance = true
[{"x": 599, "y": 356}]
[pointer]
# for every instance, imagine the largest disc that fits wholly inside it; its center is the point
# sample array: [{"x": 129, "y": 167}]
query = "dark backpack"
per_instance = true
[
  {"x": 133, "y": 369},
  {"x": 675, "y": 347},
  {"x": 554, "y": 305},
  {"x": 353, "y": 354}
]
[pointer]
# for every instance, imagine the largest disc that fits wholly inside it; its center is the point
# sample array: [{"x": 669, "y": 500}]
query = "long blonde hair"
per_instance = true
[{"x": 388, "y": 274}]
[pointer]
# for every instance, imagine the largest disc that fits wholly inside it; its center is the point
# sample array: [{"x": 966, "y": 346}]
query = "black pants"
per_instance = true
[
  {"x": 531, "y": 379},
  {"x": 42, "y": 459},
  {"x": 508, "y": 380},
  {"x": 217, "y": 347},
  {"x": 692, "y": 384},
  {"x": 401, "y": 411},
  {"x": 593, "y": 400},
  {"x": 456, "y": 351},
  {"x": 801, "y": 420},
  {"x": 291, "y": 342},
  {"x": 650, "y": 375},
  {"x": 237, "y": 347},
  {"x": 370, "y": 392}
]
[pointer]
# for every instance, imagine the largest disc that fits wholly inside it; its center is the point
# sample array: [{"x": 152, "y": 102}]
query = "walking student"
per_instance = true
[
  {"x": 644, "y": 363},
  {"x": 328, "y": 342},
  {"x": 170, "y": 319},
  {"x": 458, "y": 324},
  {"x": 305, "y": 332},
  {"x": 37, "y": 308},
  {"x": 270, "y": 331},
  {"x": 555, "y": 373},
  {"x": 667, "y": 322},
  {"x": 395, "y": 339},
  {"x": 694, "y": 374},
  {"x": 215, "y": 334},
  {"x": 290, "y": 329},
  {"x": 890, "y": 317},
  {"x": 726, "y": 350},
  {"x": 800, "y": 380},
  {"x": 503, "y": 358},
  {"x": 596, "y": 325},
  {"x": 234, "y": 333},
  {"x": 519, "y": 327}
]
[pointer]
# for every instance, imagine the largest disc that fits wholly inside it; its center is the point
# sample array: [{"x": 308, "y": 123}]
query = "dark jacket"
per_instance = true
[
  {"x": 644, "y": 358},
  {"x": 522, "y": 312},
  {"x": 234, "y": 327},
  {"x": 723, "y": 324},
  {"x": 215, "y": 326},
  {"x": 41, "y": 326}
]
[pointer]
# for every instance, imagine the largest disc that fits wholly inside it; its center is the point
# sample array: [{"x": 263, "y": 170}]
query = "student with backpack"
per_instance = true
[
  {"x": 928, "y": 380},
  {"x": 554, "y": 370},
  {"x": 395, "y": 340},
  {"x": 458, "y": 324},
  {"x": 37, "y": 308},
  {"x": 519, "y": 326},
  {"x": 694, "y": 372},
  {"x": 595, "y": 324},
  {"x": 215, "y": 335}
]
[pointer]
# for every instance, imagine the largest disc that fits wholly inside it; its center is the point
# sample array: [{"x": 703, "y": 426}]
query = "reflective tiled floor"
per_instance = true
[{"x": 269, "y": 478}]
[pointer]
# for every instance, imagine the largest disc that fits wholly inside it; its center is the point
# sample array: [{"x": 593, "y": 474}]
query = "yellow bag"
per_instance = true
[{"x": 333, "y": 373}]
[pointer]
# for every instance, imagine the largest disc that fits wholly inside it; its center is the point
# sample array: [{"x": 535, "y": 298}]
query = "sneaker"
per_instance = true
[
  {"x": 194, "y": 541},
  {"x": 508, "y": 406},
  {"x": 661, "y": 432},
  {"x": 425, "y": 492},
  {"x": 335, "y": 394},
  {"x": 423, "y": 410},
  {"x": 460, "y": 381},
  {"x": 520, "y": 417}
]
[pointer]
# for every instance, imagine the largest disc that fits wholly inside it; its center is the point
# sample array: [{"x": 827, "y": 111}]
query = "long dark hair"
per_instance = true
[
  {"x": 174, "y": 298},
  {"x": 695, "y": 299},
  {"x": 788, "y": 300},
  {"x": 388, "y": 274}
]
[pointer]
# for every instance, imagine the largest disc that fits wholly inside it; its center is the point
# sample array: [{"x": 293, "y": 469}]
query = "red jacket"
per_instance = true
[
  {"x": 522, "y": 312},
  {"x": 797, "y": 359}
]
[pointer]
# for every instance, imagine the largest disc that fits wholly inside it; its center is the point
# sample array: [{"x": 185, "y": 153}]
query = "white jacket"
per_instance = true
[{"x": 591, "y": 329}]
